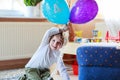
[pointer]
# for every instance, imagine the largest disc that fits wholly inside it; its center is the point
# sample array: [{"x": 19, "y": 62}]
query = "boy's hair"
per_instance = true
[{"x": 63, "y": 37}]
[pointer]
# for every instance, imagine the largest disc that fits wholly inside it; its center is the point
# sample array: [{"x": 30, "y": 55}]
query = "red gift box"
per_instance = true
[{"x": 75, "y": 68}]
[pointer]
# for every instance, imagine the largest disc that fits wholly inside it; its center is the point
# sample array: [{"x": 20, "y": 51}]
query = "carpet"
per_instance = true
[
  {"x": 14, "y": 74},
  {"x": 11, "y": 78},
  {"x": 11, "y": 74}
]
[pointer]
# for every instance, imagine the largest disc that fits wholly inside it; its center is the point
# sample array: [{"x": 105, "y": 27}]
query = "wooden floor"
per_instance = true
[
  {"x": 12, "y": 64},
  {"x": 20, "y": 63}
]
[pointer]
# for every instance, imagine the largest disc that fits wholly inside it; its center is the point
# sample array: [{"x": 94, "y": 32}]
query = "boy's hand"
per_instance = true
[{"x": 64, "y": 28}]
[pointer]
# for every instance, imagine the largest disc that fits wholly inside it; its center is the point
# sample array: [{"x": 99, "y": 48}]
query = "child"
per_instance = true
[{"x": 47, "y": 54}]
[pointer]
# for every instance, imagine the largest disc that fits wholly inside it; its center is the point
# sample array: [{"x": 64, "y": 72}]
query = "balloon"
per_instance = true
[
  {"x": 56, "y": 11},
  {"x": 83, "y": 11}
]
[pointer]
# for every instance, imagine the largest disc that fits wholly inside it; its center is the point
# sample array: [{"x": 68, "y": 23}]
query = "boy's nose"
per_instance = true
[{"x": 55, "y": 44}]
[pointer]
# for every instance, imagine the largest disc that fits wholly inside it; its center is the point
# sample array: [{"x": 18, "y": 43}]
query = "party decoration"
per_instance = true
[
  {"x": 56, "y": 11},
  {"x": 83, "y": 11}
]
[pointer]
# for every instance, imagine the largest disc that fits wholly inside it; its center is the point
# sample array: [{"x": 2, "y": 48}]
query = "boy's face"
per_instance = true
[{"x": 56, "y": 42}]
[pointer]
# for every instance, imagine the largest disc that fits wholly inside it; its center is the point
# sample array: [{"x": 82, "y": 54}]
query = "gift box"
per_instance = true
[{"x": 75, "y": 68}]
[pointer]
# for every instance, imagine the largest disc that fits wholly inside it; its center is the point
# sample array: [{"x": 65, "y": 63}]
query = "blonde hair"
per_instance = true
[{"x": 63, "y": 36}]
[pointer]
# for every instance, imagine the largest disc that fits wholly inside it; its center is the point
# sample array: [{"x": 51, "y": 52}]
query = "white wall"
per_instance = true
[{"x": 21, "y": 39}]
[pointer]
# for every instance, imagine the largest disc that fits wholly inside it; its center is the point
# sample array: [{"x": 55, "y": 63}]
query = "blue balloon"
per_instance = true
[{"x": 56, "y": 11}]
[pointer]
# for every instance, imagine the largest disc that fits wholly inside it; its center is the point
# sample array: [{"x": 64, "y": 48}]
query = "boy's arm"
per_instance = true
[
  {"x": 51, "y": 32},
  {"x": 48, "y": 34},
  {"x": 62, "y": 70}
]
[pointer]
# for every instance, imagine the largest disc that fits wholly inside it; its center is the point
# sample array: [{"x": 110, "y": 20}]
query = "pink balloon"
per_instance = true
[{"x": 83, "y": 11}]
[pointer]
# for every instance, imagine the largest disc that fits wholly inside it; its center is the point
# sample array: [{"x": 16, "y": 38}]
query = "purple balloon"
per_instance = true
[{"x": 83, "y": 11}]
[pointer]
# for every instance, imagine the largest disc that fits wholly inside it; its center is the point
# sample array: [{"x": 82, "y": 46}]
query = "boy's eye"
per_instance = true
[{"x": 53, "y": 40}]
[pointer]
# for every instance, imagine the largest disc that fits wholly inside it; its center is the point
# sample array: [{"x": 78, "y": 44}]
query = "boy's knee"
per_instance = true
[
  {"x": 50, "y": 78},
  {"x": 23, "y": 77}
]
